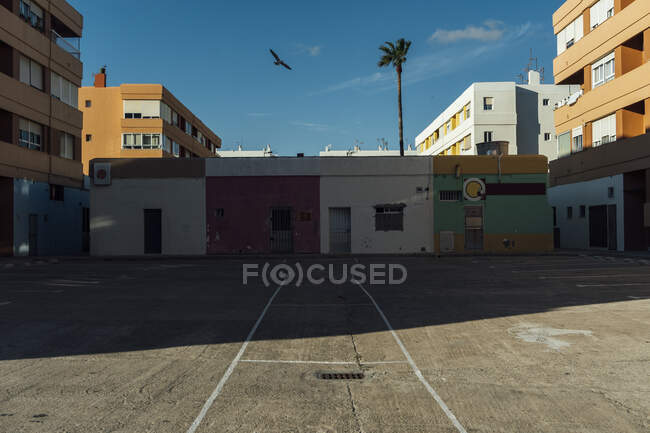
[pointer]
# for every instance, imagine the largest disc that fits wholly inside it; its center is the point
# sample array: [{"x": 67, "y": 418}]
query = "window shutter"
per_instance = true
[
  {"x": 36, "y": 75},
  {"x": 24, "y": 69}
]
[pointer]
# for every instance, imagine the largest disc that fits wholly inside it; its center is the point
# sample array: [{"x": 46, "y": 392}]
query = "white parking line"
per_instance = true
[
  {"x": 321, "y": 305},
  {"x": 415, "y": 368},
  {"x": 613, "y": 285},
  {"x": 288, "y": 361},
  {"x": 231, "y": 368},
  {"x": 593, "y": 276}
]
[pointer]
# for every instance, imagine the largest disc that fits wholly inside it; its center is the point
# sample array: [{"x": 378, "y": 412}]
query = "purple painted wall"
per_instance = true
[{"x": 244, "y": 224}]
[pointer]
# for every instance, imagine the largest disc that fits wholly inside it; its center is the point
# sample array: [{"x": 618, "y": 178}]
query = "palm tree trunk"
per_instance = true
[{"x": 399, "y": 104}]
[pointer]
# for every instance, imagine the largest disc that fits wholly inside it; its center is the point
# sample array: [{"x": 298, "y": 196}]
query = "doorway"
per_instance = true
[
  {"x": 340, "y": 230},
  {"x": 281, "y": 230},
  {"x": 153, "y": 231},
  {"x": 602, "y": 227},
  {"x": 474, "y": 228}
]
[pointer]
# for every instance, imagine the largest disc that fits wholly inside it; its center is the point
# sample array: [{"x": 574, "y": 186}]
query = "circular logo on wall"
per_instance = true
[
  {"x": 474, "y": 189},
  {"x": 101, "y": 174}
]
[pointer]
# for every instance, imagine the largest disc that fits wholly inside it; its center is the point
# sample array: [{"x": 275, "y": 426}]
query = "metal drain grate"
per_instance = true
[{"x": 340, "y": 376}]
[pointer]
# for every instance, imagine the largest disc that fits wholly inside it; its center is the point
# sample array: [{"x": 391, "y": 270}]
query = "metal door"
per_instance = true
[
  {"x": 340, "y": 230},
  {"x": 474, "y": 227},
  {"x": 33, "y": 235},
  {"x": 598, "y": 226},
  {"x": 281, "y": 230},
  {"x": 612, "y": 243},
  {"x": 152, "y": 231}
]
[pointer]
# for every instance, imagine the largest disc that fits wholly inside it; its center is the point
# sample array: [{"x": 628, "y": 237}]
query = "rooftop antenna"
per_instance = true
[
  {"x": 533, "y": 65},
  {"x": 383, "y": 144}
]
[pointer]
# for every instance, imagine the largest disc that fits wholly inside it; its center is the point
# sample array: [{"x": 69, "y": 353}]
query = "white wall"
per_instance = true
[
  {"x": 574, "y": 233},
  {"x": 362, "y": 183},
  {"x": 117, "y": 216}
]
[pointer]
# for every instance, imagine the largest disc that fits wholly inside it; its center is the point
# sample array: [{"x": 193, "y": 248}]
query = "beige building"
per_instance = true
[
  {"x": 140, "y": 121},
  {"x": 600, "y": 186},
  {"x": 40, "y": 124},
  {"x": 603, "y": 46}
]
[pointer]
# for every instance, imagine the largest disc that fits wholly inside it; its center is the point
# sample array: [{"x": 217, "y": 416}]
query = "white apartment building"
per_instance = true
[{"x": 521, "y": 114}]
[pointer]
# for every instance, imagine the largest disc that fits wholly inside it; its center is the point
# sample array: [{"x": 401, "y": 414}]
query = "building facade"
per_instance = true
[
  {"x": 140, "y": 121},
  {"x": 600, "y": 187},
  {"x": 41, "y": 182},
  {"x": 490, "y": 204},
  {"x": 519, "y": 114},
  {"x": 374, "y": 205}
]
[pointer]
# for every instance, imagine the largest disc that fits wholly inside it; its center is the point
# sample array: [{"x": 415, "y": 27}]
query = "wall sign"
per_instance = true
[
  {"x": 102, "y": 173},
  {"x": 474, "y": 189}
]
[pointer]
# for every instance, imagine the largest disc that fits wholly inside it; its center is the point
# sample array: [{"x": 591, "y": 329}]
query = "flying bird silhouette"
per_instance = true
[{"x": 278, "y": 61}]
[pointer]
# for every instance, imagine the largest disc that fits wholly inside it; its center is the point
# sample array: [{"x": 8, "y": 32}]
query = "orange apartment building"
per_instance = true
[
  {"x": 602, "y": 179},
  {"x": 140, "y": 121},
  {"x": 42, "y": 201}
]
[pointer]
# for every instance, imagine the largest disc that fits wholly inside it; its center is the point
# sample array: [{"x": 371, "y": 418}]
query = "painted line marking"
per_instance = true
[
  {"x": 613, "y": 285},
  {"x": 37, "y": 291},
  {"x": 2, "y": 304},
  {"x": 415, "y": 368},
  {"x": 231, "y": 367},
  {"x": 282, "y": 361},
  {"x": 594, "y": 276},
  {"x": 600, "y": 268},
  {"x": 322, "y": 305}
]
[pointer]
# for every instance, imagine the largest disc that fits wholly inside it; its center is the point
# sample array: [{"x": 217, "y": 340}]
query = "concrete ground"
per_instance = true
[{"x": 486, "y": 344}]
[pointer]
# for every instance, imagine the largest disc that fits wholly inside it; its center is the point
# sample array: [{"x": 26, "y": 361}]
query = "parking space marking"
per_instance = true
[
  {"x": 600, "y": 268},
  {"x": 231, "y": 367},
  {"x": 613, "y": 285},
  {"x": 321, "y": 305},
  {"x": 414, "y": 367},
  {"x": 289, "y": 361},
  {"x": 591, "y": 276}
]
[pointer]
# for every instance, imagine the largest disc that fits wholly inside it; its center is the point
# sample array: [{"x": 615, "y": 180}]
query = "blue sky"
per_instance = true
[{"x": 213, "y": 55}]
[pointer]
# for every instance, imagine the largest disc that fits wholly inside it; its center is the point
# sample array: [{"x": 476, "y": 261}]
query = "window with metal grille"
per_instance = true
[
  {"x": 450, "y": 195},
  {"x": 389, "y": 217}
]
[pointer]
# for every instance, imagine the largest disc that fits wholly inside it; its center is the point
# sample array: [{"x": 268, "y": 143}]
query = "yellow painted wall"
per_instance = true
[{"x": 511, "y": 164}]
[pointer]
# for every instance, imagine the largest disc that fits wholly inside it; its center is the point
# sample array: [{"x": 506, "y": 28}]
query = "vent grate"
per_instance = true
[{"x": 340, "y": 376}]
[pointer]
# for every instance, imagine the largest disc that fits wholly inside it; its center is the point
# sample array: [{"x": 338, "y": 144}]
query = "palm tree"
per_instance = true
[{"x": 395, "y": 54}]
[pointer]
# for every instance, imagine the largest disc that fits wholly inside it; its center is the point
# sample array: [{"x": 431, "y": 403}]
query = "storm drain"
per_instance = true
[{"x": 340, "y": 376}]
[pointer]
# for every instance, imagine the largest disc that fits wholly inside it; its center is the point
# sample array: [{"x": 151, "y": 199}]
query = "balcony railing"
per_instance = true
[{"x": 71, "y": 45}]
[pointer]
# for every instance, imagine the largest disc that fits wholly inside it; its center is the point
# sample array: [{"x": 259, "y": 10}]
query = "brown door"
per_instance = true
[{"x": 474, "y": 228}]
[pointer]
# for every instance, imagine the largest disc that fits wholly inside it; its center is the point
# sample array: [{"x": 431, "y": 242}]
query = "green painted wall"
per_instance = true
[{"x": 524, "y": 214}]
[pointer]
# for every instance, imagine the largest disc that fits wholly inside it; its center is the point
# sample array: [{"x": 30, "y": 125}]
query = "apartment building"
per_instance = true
[
  {"x": 43, "y": 205},
  {"x": 601, "y": 183},
  {"x": 140, "y": 121},
  {"x": 521, "y": 114}
]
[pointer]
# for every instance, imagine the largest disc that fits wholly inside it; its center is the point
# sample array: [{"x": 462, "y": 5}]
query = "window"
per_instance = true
[
  {"x": 564, "y": 144},
  {"x": 570, "y": 35},
  {"x": 167, "y": 144},
  {"x": 138, "y": 109},
  {"x": 219, "y": 213},
  {"x": 488, "y": 103},
  {"x": 89, "y": 137},
  {"x": 165, "y": 112},
  {"x": 449, "y": 195},
  {"x": 30, "y": 134},
  {"x": 67, "y": 146},
  {"x": 576, "y": 133},
  {"x": 389, "y": 218},
  {"x": 89, "y": 103},
  {"x": 57, "y": 193},
  {"x": 569, "y": 213},
  {"x": 64, "y": 90},
  {"x": 175, "y": 118},
  {"x": 141, "y": 141},
  {"x": 601, "y": 12},
  {"x": 603, "y": 70},
  {"x": 188, "y": 128},
  {"x": 547, "y": 136},
  {"x": 604, "y": 130},
  {"x": 467, "y": 142},
  {"x": 176, "y": 150},
  {"x": 487, "y": 136},
  {"x": 32, "y": 13},
  {"x": 583, "y": 211},
  {"x": 31, "y": 72},
  {"x": 545, "y": 102}
]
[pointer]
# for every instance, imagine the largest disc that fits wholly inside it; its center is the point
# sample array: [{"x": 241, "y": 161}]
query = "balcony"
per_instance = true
[
  {"x": 71, "y": 45},
  {"x": 623, "y": 26}
]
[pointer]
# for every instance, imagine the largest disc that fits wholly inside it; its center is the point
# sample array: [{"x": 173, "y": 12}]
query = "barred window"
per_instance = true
[
  {"x": 450, "y": 195},
  {"x": 389, "y": 217}
]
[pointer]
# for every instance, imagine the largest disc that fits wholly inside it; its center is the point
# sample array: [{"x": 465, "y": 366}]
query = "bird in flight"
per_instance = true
[{"x": 279, "y": 62}]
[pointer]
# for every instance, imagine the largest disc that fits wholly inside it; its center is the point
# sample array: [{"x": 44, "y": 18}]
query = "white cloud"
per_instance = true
[
  {"x": 434, "y": 64},
  {"x": 312, "y": 50},
  {"x": 490, "y": 31},
  {"x": 312, "y": 126}
]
